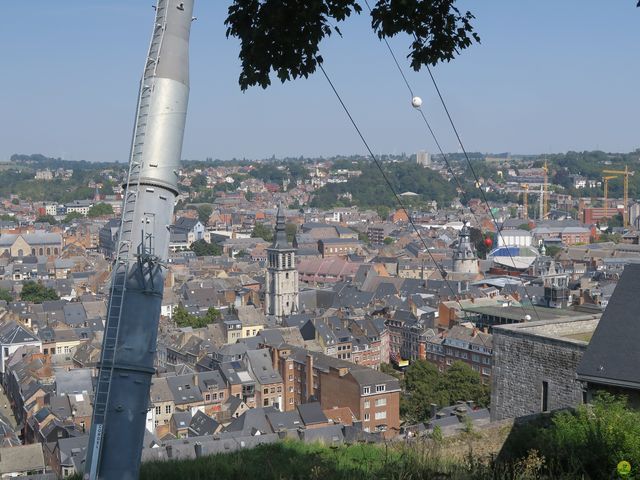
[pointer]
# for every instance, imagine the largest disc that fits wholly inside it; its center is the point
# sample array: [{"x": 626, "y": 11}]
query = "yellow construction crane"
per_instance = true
[
  {"x": 625, "y": 173},
  {"x": 525, "y": 201},
  {"x": 606, "y": 194},
  {"x": 545, "y": 191}
]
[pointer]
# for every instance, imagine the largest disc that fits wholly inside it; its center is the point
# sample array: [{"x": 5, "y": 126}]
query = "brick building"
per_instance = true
[{"x": 372, "y": 396}]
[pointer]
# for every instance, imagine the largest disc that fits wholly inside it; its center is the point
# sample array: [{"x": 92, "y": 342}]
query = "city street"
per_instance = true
[{"x": 5, "y": 410}]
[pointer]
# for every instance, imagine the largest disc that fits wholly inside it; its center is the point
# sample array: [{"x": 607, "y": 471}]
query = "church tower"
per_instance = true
[
  {"x": 464, "y": 256},
  {"x": 281, "y": 286}
]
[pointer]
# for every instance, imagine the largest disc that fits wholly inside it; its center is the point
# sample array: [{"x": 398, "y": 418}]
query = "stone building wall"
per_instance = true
[{"x": 528, "y": 354}]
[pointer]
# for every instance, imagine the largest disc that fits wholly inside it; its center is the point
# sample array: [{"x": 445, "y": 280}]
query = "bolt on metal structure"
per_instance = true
[{"x": 121, "y": 399}]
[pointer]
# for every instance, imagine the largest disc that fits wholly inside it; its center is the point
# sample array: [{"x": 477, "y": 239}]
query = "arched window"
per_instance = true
[
  {"x": 33, "y": 251},
  {"x": 56, "y": 251},
  {"x": 20, "y": 252},
  {"x": 48, "y": 250},
  {"x": 41, "y": 251}
]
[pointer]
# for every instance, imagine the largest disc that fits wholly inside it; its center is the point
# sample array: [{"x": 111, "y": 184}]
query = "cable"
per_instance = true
[
  {"x": 475, "y": 177},
  {"x": 441, "y": 269},
  {"x": 424, "y": 118},
  {"x": 446, "y": 160}
]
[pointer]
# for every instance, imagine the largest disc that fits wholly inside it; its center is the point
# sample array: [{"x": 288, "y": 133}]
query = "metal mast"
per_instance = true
[{"x": 126, "y": 365}]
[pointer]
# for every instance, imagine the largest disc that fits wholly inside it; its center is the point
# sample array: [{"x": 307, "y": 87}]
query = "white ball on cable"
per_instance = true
[{"x": 416, "y": 102}]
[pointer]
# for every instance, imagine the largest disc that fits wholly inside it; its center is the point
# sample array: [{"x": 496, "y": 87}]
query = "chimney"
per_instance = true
[{"x": 309, "y": 372}]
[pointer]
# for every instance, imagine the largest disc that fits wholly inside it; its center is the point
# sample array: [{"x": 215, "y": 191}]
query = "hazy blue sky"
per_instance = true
[{"x": 549, "y": 76}]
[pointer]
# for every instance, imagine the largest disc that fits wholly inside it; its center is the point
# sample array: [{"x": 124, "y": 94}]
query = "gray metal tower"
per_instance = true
[{"x": 126, "y": 364}]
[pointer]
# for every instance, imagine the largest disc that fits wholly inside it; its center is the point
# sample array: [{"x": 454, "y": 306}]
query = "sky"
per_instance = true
[{"x": 549, "y": 76}]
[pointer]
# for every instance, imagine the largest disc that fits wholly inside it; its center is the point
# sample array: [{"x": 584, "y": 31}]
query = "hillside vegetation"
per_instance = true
[{"x": 586, "y": 443}]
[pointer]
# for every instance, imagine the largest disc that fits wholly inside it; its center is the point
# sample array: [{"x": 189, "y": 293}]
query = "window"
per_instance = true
[
  {"x": 265, "y": 403},
  {"x": 291, "y": 378},
  {"x": 156, "y": 423},
  {"x": 381, "y": 388},
  {"x": 279, "y": 389},
  {"x": 367, "y": 404},
  {"x": 448, "y": 361},
  {"x": 486, "y": 371},
  {"x": 381, "y": 415},
  {"x": 366, "y": 390},
  {"x": 167, "y": 409},
  {"x": 158, "y": 411},
  {"x": 273, "y": 389},
  {"x": 367, "y": 417},
  {"x": 291, "y": 401},
  {"x": 291, "y": 389},
  {"x": 221, "y": 395},
  {"x": 545, "y": 396},
  {"x": 266, "y": 391},
  {"x": 381, "y": 402},
  {"x": 291, "y": 366}
]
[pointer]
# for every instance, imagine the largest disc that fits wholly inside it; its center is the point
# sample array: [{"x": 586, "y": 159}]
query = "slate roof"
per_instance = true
[
  {"x": 183, "y": 389},
  {"x": 612, "y": 356},
  {"x": 74, "y": 381},
  {"x": 181, "y": 419},
  {"x": 262, "y": 367},
  {"x": 74, "y": 314},
  {"x": 311, "y": 413},
  {"x": 252, "y": 421},
  {"x": 12, "y": 333},
  {"x": 284, "y": 420},
  {"x": 202, "y": 424}
]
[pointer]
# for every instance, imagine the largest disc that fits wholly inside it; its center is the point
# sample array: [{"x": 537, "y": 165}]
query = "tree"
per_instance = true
[
  {"x": 425, "y": 385},
  {"x": 99, "y": 210},
  {"x": 184, "y": 319},
  {"x": 461, "y": 382},
  {"x": 199, "y": 181},
  {"x": 37, "y": 293},
  {"x": 204, "y": 212},
  {"x": 284, "y": 37},
  {"x": 47, "y": 219},
  {"x": 202, "y": 248},
  {"x": 6, "y": 295},
  {"x": 72, "y": 216},
  {"x": 388, "y": 240},
  {"x": 262, "y": 231},
  {"x": 478, "y": 240}
]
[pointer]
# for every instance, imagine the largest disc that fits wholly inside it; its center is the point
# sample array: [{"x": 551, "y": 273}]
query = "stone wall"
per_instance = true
[{"x": 528, "y": 354}]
